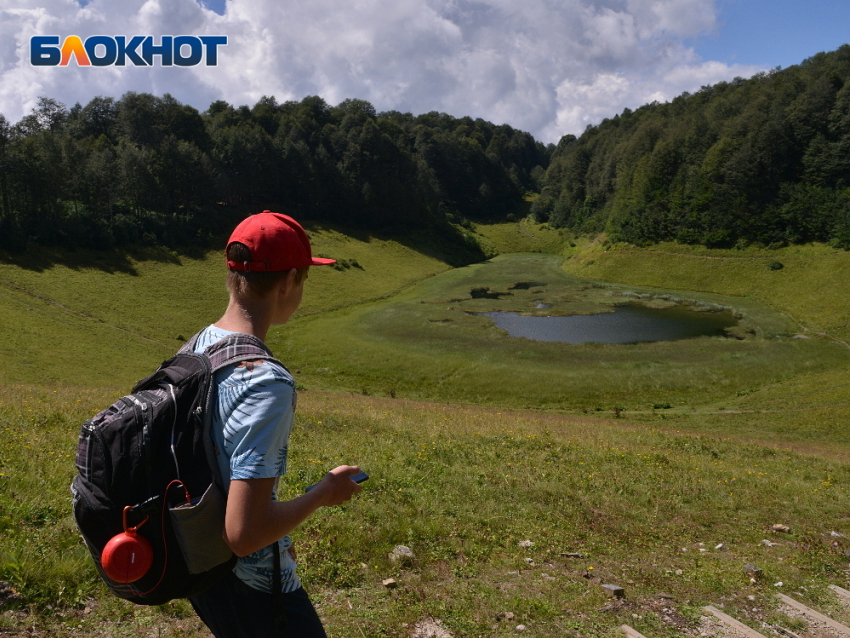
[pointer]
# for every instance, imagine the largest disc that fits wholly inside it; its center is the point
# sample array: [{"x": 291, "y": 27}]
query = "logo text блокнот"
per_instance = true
[{"x": 119, "y": 50}]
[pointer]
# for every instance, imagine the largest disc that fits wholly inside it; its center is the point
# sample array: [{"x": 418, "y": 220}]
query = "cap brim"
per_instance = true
[{"x": 321, "y": 261}]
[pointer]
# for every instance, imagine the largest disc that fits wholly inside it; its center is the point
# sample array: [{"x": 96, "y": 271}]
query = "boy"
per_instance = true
[{"x": 268, "y": 256}]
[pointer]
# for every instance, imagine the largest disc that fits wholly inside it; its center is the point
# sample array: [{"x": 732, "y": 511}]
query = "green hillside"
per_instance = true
[
  {"x": 428, "y": 343},
  {"x": 656, "y": 467},
  {"x": 760, "y": 160},
  {"x": 104, "y": 319}
]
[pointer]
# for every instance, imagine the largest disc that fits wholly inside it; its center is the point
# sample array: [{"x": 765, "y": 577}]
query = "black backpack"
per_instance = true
[{"x": 147, "y": 467}]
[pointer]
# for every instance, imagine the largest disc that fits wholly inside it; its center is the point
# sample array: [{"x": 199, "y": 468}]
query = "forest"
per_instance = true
[
  {"x": 144, "y": 169},
  {"x": 764, "y": 160}
]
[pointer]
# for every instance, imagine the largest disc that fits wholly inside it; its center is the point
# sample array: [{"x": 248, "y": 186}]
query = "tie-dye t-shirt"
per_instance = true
[{"x": 250, "y": 429}]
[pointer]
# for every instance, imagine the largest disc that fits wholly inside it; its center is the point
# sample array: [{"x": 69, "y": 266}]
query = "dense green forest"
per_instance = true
[
  {"x": 148, "y": 169},
  {"x": 762, "y": 160}
]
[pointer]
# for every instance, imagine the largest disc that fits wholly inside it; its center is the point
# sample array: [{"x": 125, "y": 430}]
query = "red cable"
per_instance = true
[{"x": 164, "y": 544}]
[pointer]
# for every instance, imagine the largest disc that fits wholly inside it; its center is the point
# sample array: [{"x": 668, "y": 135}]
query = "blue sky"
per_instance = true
[
  {"x": 550, "y": 67},
  {"x": 771, "y": 33}
]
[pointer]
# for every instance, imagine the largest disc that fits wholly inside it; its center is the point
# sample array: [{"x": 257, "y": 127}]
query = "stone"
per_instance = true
[
  {"x": 752, "y": 570},
  {"x": 679, "y": 572},
  {"x": 718, "y": 546},
  {"x": 401, "y": 553},
  {"x": 530, "y": 561},
  {"x": 505, "y": 615},
  {"x": 614, "y": 591},
  {"x": 780, "y": 528},
  {"x": 768, "y": 543},
  {"x": 389, "y": 583},
  {"x": 8, "y": 593},
  {"x": 521, "y": 627},
  {"x": 429, "y": 628},
  {"x": 572, "y": 554},
  {"x": 526, "y": 543}
]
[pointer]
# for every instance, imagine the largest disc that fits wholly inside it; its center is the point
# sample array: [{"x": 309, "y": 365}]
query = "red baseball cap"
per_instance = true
[{"x": 277, "y": 242}]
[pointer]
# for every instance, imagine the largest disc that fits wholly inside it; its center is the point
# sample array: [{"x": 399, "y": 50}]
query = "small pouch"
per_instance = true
[{"x": 199, "y": 528}]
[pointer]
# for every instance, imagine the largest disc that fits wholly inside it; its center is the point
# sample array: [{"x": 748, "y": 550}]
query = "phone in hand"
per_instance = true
[{"x": 357, "y": 478}]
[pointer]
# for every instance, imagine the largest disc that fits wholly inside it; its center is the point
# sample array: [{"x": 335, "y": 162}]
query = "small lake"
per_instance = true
[{"x": 632, "y": 323}]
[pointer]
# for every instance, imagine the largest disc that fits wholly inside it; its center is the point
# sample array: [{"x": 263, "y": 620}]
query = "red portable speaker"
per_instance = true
[{"x": 127, "y": 557}]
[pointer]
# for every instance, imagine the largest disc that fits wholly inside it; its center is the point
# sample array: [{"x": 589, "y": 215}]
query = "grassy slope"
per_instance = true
[
  {"x": 463, "y": 484},
  {"x": 462, "y": 487},
  {"x": 109, "y": 321},
  {"x": 807, "y": 411},
  {"x": 424, "y": 343},
  {"x": 798, "y": 412},
  {"x": 807, "y": 288}
]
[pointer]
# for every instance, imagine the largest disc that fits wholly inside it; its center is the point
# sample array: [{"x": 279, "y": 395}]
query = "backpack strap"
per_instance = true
[
  {"x": 278, "y": 609},
  {"x": 189, "y": 346},
  {"x": 233, "y": 348},
  {"x": 236, "y": 348}
]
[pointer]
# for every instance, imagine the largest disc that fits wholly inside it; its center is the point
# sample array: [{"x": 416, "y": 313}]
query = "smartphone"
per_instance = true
[{"x": 357, "y": 478}]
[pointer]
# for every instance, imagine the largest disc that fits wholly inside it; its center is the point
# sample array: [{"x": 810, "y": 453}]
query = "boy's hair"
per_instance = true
[{"x": 254, "y": 284}]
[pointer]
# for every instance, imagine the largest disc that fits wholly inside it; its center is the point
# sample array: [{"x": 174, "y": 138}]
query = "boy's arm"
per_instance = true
[{"x": 254, "y": 521}]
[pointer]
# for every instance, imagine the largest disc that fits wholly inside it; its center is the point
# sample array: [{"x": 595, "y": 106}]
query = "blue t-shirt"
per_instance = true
[{"x": 250, "y": 430}]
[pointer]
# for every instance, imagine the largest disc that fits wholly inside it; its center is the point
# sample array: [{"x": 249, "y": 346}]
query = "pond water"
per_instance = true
[{"x": 632, "y": 323}]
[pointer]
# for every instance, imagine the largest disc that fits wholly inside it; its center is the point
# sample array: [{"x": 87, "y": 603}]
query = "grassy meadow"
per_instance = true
[
  {"x": 523, "y": 476},
  {"x": 428, "y": 343},
  {"x": 64, "y": 313}
]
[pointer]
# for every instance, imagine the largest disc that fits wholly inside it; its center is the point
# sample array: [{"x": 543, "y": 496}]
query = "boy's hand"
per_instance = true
[
  {"x": 337, "y": 487},
  {"x": 253, "y": 520}
]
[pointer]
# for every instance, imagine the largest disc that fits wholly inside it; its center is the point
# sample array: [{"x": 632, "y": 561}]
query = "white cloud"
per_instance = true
[{"x": 546, "y": 66}]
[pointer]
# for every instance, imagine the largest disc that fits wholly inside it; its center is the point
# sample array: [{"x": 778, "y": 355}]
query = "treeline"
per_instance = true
[
  {"x": 148, "y": 169},
  {"x": 763, "y": 160}
]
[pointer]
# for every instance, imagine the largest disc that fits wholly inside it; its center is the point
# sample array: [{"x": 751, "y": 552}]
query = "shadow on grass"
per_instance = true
[
  {"x": 438, "y": 239},
  {"x": 112, "y": 260}
]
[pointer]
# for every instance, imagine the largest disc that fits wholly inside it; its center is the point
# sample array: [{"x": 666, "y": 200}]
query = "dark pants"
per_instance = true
[{"x": 232, "y": 609}]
